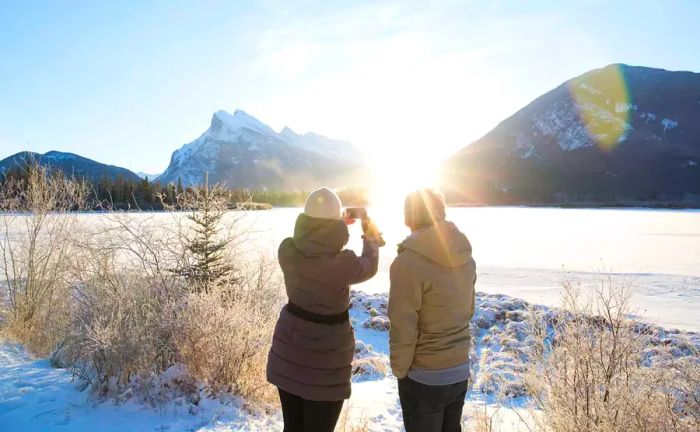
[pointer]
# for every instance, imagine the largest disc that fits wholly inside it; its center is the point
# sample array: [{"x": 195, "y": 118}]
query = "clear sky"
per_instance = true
[{"x": 128, "y": 82}]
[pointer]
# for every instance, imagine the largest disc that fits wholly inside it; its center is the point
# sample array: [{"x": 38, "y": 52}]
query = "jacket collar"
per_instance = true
[{"x": 442, "y": 243}]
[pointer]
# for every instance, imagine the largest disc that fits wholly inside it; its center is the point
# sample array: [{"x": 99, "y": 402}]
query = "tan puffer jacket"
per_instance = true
[{"x": 431, "y": 300}]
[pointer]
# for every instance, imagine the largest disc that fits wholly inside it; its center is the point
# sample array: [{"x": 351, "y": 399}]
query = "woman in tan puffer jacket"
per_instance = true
[
  {"x": 431, "y": 301},
  {"x": 313, "y": 345}
]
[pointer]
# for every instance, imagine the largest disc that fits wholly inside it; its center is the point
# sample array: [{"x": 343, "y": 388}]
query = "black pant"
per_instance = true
[
  {"x": 431, "y": 408},
  {"x": 301, "y": 415}
]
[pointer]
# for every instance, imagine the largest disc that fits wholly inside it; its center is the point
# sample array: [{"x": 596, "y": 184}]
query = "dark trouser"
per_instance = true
[
  {"x": 301, "y": 415},
  {"x": 431, "y": 408}
]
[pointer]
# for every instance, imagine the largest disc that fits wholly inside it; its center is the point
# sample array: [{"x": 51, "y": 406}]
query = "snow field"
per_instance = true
[{"x": 34, "y": 396}]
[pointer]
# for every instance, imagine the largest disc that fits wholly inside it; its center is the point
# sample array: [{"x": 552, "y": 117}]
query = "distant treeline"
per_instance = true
[
  {"x": 547, "y": 195},
  {"x": 119, "y": 193}
]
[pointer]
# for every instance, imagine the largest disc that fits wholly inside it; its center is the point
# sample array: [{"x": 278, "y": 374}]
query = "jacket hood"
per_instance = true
[
  {"x": 442, "y": 243},
  {"x": 316, "y": 236}
]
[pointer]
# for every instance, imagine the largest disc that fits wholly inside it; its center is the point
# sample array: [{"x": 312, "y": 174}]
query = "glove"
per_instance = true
[{"x": 371, "y": 232}]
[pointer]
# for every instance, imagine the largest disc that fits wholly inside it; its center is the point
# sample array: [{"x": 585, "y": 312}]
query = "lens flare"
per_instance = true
[
  {"x": 395, "y": 175},
  {"x": 604, "y": 105}
]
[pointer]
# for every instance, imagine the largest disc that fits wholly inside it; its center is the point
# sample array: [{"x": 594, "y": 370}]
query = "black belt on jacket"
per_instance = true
[{"x": 299, "y": 312}]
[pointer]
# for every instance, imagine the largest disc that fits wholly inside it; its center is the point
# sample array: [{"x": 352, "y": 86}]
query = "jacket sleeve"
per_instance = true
[
  {"x": 368, "y": 263},
  {"x": 350, "y": 269},
  {"x": 405, "y": 299}
]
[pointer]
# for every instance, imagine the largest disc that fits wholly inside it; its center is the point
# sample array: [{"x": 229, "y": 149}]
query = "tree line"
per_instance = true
[{"x": 144, "y": 194}]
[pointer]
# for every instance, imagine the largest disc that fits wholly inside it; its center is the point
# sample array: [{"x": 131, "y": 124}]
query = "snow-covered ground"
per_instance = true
[{"x": 34, "y": 396}]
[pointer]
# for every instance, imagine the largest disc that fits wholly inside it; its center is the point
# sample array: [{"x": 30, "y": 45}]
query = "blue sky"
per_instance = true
[{"x": 128, "y": 82}]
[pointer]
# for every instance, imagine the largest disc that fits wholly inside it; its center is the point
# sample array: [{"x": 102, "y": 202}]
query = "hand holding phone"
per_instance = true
[
  {"x": 372, "y": 231},
  {"x": 355, "y": 213},
  {"x": 369, "y": 228}
]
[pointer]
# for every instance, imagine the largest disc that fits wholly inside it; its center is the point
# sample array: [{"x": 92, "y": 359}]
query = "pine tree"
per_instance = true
[
  {"x": 208, "y": 265},
  {"x": 144, "y": 193},
  {"x": 179, "y": 186}
]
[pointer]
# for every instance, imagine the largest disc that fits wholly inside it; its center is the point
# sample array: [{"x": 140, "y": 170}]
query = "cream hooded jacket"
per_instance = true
[{"x": 431, "y": 300}]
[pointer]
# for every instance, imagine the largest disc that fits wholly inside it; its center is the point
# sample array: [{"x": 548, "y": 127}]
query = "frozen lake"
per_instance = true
[{"x": 529, "y": 252}]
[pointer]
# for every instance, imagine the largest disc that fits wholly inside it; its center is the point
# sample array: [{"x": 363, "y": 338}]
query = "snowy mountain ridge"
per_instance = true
[{"x": 241, "y": 151}]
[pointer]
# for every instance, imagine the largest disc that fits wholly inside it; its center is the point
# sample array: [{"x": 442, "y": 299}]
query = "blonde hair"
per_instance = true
[{"x": 423, "y": 208}]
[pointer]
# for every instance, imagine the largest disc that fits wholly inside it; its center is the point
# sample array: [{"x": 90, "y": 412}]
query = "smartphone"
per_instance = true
[{"x": 356, "y": 213}]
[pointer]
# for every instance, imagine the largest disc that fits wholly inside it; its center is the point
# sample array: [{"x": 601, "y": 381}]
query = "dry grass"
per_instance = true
[
  {"x": 346, "y": 424},
  {"x": 589, "y": 371},
  {"x": 482, "y": 419}
]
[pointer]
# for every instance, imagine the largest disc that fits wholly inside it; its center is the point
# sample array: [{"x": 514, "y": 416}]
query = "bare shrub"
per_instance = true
[
  {"x": 125, "y": 302},
  {"x": 589, "y": 370},
  {"x": 122, "y": 329},
  {"x": 37, "y": 225},
  {"x": 224, "y": 341},
  {"x": 131, "y": 304},
  {"x": 138, "y": 320}
]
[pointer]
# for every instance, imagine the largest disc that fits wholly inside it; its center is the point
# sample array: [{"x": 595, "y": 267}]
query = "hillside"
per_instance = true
[
  {"x": 70, "y": 164},
  {"x": 617, "y": 134}
]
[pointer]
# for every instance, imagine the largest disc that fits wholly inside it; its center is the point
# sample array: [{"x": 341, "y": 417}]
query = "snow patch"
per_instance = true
[
  {"x": 564, "y": 124},
  {"x": 59, "y": 156},
  {"x": 524, "y": 145},
  {"x": 647, "y": 117},
  {"x": 621, "y": 107},
  {"x": 668, "y": 124},
  {"x": 589, "y": 88}
]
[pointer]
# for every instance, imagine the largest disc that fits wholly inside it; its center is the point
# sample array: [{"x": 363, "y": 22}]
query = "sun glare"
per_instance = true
[
  {"x": 396, "y": 176},
  {"x": 604, "y": 104}
]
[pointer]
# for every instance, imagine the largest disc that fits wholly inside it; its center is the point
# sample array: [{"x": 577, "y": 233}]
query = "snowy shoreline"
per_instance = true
[{"x": 35, "y": 396}]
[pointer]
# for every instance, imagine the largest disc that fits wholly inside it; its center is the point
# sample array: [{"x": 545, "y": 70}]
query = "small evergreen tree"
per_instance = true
[{"x": 207, "y": 264}]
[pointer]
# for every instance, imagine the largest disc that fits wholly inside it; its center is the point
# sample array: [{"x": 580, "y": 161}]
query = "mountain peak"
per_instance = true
[
  {"x": 240, "y": 113},
  {"x": 289, "y": 134},
  {"x": 241, "y": 151},
  {"x": 226, "y": 124}
]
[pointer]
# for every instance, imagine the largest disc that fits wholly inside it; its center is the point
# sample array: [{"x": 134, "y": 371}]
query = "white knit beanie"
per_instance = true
[{"x": 323, "y": 204}]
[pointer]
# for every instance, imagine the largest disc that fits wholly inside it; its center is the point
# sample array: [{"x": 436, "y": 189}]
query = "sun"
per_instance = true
[{"x": 394, "y": 176}]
